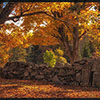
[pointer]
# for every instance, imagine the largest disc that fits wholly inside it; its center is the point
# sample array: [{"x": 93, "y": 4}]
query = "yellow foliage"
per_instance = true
[
  {"x": 62, "y": 60},
  {"x": 46, "y": 26},
  {"x": 59, "y": 52}
]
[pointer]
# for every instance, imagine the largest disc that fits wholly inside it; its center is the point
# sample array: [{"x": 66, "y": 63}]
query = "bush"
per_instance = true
[
  {"x": 52, "y": 58},
  {"x": 49, "y": 58},
  {"x": 59, "y": 52},
  {"x": 59, "y": 56},
  {"x": 61, "y": 60}
]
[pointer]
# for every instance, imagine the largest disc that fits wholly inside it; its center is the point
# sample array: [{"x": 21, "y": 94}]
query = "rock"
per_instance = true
[
  {"x": 78, "y": 77},
  {"x": 69, "y": 79},
  {"x": 39, "y": 77},
  {"x": 43, "y": 65},
  {"x": 77, "y": 68},
  {"x": 96, "y": 79},
  {"x": 75, "y": 64},
  {"x": 29, "y": 69},
  {"x": 21, "y": 69},
  {"x": 74, "y": 83},
  {"x": 56, "y": 80},
  {"x": 36, "y": 66},
  {"x": 15, "y": 72},
  {"x": 83, "y": 61},
  {"x": 28, "y": 77},
  {"x": 34, "y": 73},
  {"x": 96, "y": 65},
  {"x": 72, "y": 72},
  {"x": 59, "y": 65},
  {"x": 62, "y": 72},
  {"x": 67, "y": 65},
  {"x": 61, "y": 78},
  {"x": 26, "y": 74},
  {"x": 5, "y": 69},
  {"x": 41, "y": 73},
  {"x": 85, "y": 77}
]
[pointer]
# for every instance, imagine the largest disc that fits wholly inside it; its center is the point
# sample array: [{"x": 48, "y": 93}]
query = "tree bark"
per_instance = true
[
  {"x": 73, "y": 52},
  {"x": 4, "y": 14}
]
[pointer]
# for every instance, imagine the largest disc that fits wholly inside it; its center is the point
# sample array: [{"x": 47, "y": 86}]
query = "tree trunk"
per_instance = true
[
  {"x": 73, "y": 52},
  {"x": 74, "y": 56}
]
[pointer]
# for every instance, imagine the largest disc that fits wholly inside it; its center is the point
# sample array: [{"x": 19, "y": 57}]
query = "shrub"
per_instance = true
[
  {"x": 52, "y": 58},
  {"x": 49, "y": 58},
  {"x": 59, "y": 52},
  {"x": 61, "y": 60}
]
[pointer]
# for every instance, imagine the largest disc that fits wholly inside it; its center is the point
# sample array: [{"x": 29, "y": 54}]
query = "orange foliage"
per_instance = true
[
  {"x": 34, "y": 89},
  {"x": 45, "y": 25}
]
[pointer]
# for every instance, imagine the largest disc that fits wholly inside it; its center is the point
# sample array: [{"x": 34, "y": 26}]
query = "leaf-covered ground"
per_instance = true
[{"x": 33, "y": 89}]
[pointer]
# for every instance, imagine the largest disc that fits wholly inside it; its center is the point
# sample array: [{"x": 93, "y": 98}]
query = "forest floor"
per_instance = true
[{"x": 12, "y": 88}]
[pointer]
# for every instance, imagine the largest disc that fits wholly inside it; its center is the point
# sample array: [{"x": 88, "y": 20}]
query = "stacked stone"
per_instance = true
[
  {"x": 85, "y": 72},
  {"x": 59, "y": 74},
  {"x": 88, "y": 72},
  {"x": 95, "y": 72},
  {"x": 82, "y": 70}
]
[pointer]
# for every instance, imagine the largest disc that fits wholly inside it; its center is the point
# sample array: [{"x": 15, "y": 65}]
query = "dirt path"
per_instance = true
[{"x": 34, "y": 89}]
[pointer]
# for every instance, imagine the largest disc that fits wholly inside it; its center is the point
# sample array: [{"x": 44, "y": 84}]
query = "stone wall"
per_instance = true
[
  {"x": 89, "y": 72},
  {"x": 85, "y": 72}
]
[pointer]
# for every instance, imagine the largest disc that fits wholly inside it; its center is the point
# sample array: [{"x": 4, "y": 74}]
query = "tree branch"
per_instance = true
[
  {"x": 39, "y": 12},
  {"x": 82, "y": 35},
  {"x": 6, "y": 11}
]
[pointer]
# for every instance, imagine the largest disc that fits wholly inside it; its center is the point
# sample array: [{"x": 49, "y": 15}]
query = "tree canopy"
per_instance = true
[{"x": 50, "y": 23}]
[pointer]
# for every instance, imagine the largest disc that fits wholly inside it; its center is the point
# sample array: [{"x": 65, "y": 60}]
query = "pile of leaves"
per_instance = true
[{"x": 41, "y": 89}]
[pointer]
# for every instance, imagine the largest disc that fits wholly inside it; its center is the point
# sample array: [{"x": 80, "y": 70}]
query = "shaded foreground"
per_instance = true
[{"x": 11, "y": 88}]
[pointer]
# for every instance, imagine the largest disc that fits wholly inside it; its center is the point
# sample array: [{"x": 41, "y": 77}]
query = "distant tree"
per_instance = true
[
  {"x": 18, "y": 54},
  {"x": 34, "y": 54},
  {"x": 85, "y": 50}
]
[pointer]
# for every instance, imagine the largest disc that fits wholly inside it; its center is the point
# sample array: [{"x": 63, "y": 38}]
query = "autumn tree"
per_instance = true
[{"x": 64, "y": 23}]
